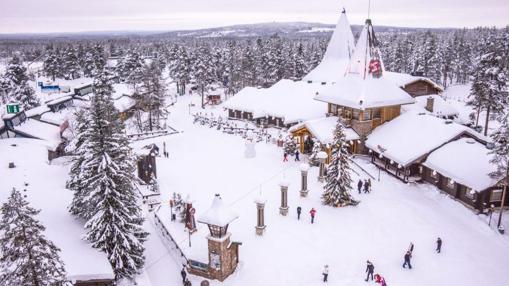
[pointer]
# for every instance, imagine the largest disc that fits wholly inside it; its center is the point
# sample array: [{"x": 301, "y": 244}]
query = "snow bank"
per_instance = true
[{"x": 465, "y": 161}]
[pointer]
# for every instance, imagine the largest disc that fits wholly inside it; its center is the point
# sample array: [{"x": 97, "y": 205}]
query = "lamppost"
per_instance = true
[
  {"x": 304, "y": 179},
  {"x": 260, "y": 215},
  {"x": 322, "y": 156},
  {"x": 283, "y": 209}
]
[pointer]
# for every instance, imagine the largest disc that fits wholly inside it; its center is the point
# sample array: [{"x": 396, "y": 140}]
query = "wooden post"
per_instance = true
[{"x": 503, "y": 199}]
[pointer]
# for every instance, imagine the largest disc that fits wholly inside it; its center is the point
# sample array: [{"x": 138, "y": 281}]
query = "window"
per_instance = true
[
  {"x": 434, "y": 174},
  {"x": 334, "y": 109},
  {"x": 376, "y": 113},
  {"x": 469, "y": 193},
  {"x": 356, "y": 113},
  {"x": 366, "y": 115},
  {"x": 450, "y": 183},
  {"x": 496, "y": 196},
  {"x": 346, "y": 113}
]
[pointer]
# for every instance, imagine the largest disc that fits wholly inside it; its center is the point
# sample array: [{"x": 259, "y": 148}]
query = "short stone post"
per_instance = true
[
  {"x": 283, "y": 209},
  {"x": 304, "y": 179},
  {"x": 260, "y": 216},
  {"x": 322, "y": 156}
]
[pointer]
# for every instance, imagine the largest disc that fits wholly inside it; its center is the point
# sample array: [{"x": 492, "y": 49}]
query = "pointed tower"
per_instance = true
[
  {"x": 366, "y": 60},
  {"x": 337, "y": 56}
]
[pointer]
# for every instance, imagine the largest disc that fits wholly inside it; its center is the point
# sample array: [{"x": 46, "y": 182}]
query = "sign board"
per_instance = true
[{"x": 13, "y": 108}]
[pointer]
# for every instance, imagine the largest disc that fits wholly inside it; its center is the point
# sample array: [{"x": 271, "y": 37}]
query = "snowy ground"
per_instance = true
[{"x": 204, "y": 161}]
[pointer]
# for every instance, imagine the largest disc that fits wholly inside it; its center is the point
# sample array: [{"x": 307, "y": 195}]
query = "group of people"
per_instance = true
[
  {"x": 312, "y": 213},
  {"x": 183, "y": 273},
  {"x": 370, "y": 267},
  {"x": 366, "y": 186},
  {"x": 297, "y": 158}
]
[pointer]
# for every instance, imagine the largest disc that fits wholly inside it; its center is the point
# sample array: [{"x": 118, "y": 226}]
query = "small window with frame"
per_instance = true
[
  {"x": 451, "y": 183},
  {"x": 496, "y": 196}
]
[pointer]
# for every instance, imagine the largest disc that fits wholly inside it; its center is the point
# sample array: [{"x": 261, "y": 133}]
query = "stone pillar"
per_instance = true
[
  {"x": 322, "y": 156},
  {"x": 283, "y": 209},
  {"x": 304, "y": 180},
  {"x": 260, "y": 216}
]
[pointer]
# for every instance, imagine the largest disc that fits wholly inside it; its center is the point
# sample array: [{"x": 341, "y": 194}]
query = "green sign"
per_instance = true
[{"x": 12, "y": 108}]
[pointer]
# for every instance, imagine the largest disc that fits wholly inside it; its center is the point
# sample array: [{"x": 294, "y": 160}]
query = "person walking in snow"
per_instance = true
[
  {"x": 370, "y": 268},
  {"x": 359, "y": 186},
  {"x": 379, "y": 279},
  {"x": 407, "y": 257},
  {"x": 285, "y": 157},
  {"x": 297, "y": 155},
  {"x": 312, "y": 212},
  {"x": 187, "y": 283},
  {"x": 325, "y": 273},
  {"x": 369, "y": 184},
  {"x": 439, "y": 245},
  {"x": 299, "y": 210},
  {"x": 183, "y": 274},
  {"x": 366, "y": 187}
]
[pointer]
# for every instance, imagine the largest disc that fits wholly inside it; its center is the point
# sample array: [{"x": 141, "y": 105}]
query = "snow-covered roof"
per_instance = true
[
  {"x": 124, "y": 103},
  {"x": 413, "y": 135},
  {"x": 57, "y": 117},
  {"x": 291, "y": 100},
  {"x": 60, "y": 99},
  {"x": 218, "y": 214},
  {"x": 403, "y": 79},
  {"x": 44, "y": 131},
  {"x": 37, "y": 110},
  {"x": 466, "y": 161},
  {"x": 441, "y": 107},
  {"x": 337, "y": 56},
  {"x": 46, "y": 192},
  {"x": 323, "y": 129},
  {"x": 359, "y": 93},
  {"x": 121, "y": 89}
]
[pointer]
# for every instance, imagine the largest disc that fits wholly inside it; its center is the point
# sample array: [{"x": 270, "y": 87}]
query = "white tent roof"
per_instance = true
[
  {"x": 413, "y": 135},
  {"x": 337, "y": 55},
  {"x": 218, "y": 214},
  {"x": 323, "y": 129},
  {"x": 465, "y": 161},
  {"x": 291, "y": 100},
  {"x": 355, "y": 92}
]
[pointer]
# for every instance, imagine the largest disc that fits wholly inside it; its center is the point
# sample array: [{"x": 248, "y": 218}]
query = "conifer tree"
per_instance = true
[
  {"x": 338, "y": 182},
  {"x": 18, "y": 89},
  {"x": 27, "y": 257},
  {"x": 501, "y": 153},
  {"x": 154, "y": 94},
  {"x": 114, "y": 217}
]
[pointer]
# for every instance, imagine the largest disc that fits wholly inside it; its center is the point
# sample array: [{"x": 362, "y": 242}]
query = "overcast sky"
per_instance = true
[{"x": 35, "y": 16}]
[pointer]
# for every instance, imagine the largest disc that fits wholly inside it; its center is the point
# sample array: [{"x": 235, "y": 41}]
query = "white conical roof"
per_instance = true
[
  {"x": 366, "y": 53},
  {"x": 337, "y": 56}
]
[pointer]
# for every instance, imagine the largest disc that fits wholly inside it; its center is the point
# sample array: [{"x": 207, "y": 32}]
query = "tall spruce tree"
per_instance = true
[
  {"x": 18, "y": 89},
  {"x": 111, "y": 202},
  {"x": 27, "y": 257},
  {"x": 338, "y": 182}
]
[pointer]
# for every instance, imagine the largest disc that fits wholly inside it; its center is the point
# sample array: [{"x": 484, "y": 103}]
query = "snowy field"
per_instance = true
[{"x": 204, "y": 161}]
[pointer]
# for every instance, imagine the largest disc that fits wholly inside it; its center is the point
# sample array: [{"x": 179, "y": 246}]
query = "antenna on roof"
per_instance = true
[
  {"x": 369, "y": 8},
  {"x": 344, "y": 11}
]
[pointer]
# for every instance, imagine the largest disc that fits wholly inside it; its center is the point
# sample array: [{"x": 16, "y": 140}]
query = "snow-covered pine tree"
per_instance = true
[
  {"x": 290, "y": 146},
  {"x": 18, "y": 89},
  {"x": 489, "y": 86},
  {"x": 338, "y": 182},
  {"x": 313, "y": 158},
  {"x": 71, "y": 63},
  {"x": 114, "y": 220},
  {"x": 27, "y": 257},
  {"x": 53, "y": 64},
  {"x": 154, "y": 94}
]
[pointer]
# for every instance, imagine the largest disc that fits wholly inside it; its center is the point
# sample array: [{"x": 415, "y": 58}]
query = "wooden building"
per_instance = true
[
  {"x": 421, "y": 87},
  {"x": 83, "y": 89},
  {"x": 60, "y": 103},
  {"x": 146, "y": 163}
]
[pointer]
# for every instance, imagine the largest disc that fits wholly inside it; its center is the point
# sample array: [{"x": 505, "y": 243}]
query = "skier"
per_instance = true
[
  {"x": 366, "y": 187},
  {"x": 359, "y": 186},
  {"x": 408, "y": 255},
  {"x": 299, "y": 210},
  {"x": 285, "y": 157},
  {"x": 370, "y": 268},
  {"x": 325, "y": 273},
  {"x": 439, "y": 245},
  {"x": 312, "y": 212},
  {"x": 297, "y": 155},
  {"x": 183, "y": 274}
]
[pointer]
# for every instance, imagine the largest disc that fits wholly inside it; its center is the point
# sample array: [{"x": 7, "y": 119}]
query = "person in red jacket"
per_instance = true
[{"x": 312, "y": 212}]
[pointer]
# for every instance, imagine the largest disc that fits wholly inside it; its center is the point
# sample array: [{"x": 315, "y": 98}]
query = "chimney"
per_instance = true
[{"x": 430, "y": 101}]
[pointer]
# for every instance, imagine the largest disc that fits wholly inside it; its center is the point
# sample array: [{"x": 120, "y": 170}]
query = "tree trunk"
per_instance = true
[
  {"x": 503, "y": 199},
  {"x": 202, "y": 97},
  {"x": 477, "y": 117},
  {"x": 487, "y": 120}
]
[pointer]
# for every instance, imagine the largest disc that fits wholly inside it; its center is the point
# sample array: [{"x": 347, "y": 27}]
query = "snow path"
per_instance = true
[{"x": 204, "y": 161}]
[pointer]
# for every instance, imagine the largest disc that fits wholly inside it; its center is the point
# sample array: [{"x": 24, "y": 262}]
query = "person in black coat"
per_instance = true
[
  {"x": 439, "y": 245},
  {"x": 370, "y": 268},
  {"x": 297, "y": 155},
  {"x": 299, "y": 210},
  {"x": 359, "y": 186},
  {"x": 408, "y": 255},
  {"x": 183, "y": 274},
  {"x": 366, "y": 187}
]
